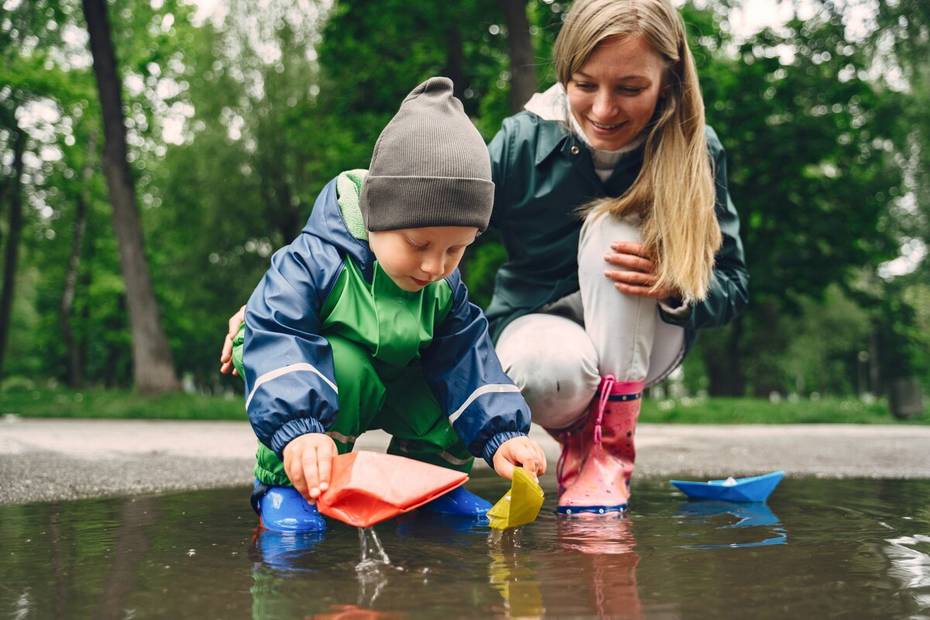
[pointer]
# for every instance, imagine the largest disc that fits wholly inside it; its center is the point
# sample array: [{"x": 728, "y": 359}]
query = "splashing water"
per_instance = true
[
  {"x": 370, "y": 569},
  {"x": 373, "y": 555}
]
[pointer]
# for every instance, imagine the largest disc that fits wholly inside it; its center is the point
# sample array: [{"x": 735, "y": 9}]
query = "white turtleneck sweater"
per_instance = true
[{"x": 604, "y": 161}]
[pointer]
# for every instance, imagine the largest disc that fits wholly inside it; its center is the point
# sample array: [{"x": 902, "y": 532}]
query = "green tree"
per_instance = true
[
  {"x": 153, "y": 369},
  {"x": 811, "y": 147}
]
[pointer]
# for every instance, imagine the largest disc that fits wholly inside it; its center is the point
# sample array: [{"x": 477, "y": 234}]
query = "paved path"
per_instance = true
[{"x": 47, "y": 460}]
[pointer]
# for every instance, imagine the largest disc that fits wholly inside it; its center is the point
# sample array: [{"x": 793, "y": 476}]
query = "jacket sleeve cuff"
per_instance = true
[
  {"x": 495, "y": 442},
  {"x": 674, "y": 311},
  {"x": 292, "y": 430}
]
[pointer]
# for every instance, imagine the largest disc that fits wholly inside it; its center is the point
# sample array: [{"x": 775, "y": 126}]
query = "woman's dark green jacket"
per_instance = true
[{"x": 542, "y": 174}]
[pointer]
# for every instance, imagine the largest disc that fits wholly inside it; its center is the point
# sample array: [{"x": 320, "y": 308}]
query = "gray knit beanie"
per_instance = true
[{"x": 430, "y": 166}]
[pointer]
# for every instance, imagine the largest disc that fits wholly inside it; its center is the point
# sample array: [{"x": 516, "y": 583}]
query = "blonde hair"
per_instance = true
[{"x": 674, "y": 190}]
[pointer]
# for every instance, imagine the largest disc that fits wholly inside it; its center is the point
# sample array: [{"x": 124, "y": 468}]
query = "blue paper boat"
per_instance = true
[{"x": 751, "y": 489}]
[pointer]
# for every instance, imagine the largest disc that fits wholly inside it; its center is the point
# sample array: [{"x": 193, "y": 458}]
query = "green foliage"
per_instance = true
[
  {"x": 235, "y": 125},
  {"x": 23, "y": 398},
  {"x": 481, "y": 264},
  {"x": 811, "y": 161},
  {"x": 36, "y": 402},
  {"x": 757, "y": 411}
]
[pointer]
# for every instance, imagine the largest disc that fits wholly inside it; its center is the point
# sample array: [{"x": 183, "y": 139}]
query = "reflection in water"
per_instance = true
[
  {"x": 594, "y": 571},
  {"x": 283, "y": 556},
  {"x": 283, "y": 551},
  {"x": 354, "y": 612},
  {"x": 275, "y": 554},
  {"x": 748, "y": 515},
  {"x": 910, "y": 565},
  {"x": 130, "y": 546},
  {"x": 865, "y": 542},
  {"x": 512, "y": 576},
  {"x": 602, "y": 552}
]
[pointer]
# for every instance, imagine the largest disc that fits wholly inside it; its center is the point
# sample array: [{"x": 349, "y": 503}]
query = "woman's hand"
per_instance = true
[
  {"x": 519, "y": 451},
  {"x": 637, "y": 276},
  {"x": 235, "y": 321},
  {"x": 308, "y": 462}
]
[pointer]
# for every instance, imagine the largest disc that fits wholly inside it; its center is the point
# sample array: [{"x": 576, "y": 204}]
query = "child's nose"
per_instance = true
[{"x": 433, "y": 265}]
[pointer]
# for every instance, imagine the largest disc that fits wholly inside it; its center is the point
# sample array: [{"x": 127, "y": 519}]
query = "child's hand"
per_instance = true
[
  {"x": 519, "y": 451},
  {"x": 308, "y": 461},
  {"x": 226, "y": 365}
]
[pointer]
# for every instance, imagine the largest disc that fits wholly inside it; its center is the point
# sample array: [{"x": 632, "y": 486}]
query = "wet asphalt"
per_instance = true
[{"x": 44, "y": 460}]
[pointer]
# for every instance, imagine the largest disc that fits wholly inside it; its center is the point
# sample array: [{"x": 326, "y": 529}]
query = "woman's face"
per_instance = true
[{"x": 614, "y": 93}]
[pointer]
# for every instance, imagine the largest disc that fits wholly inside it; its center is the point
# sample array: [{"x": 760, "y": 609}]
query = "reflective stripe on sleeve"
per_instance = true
[
  {"x": 484, "y": 389},
  {"x": 274, "y": 374}
]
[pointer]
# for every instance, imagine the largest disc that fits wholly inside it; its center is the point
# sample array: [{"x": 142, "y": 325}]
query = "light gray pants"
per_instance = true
[{"x": 558, "y": 355}]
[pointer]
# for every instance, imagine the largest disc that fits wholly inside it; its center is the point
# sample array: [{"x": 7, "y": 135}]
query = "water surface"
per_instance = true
[{"x": 820, "y": 548}]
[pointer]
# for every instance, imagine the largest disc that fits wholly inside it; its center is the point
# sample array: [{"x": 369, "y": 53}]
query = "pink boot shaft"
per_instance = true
[
  {"x": 602, "y": 484},
  {"x": 574, "y": 443}
]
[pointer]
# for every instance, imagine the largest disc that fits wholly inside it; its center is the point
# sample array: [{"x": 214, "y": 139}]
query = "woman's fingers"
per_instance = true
[
  {"x": 631, "y": 262},
  {"x": 235, "y": 321},
  {"x": 226, "y": 353},
  {"x": 634, "y": 278},
  {"x": 631, "y": 247},
  {"x": 643, "y": 291}
]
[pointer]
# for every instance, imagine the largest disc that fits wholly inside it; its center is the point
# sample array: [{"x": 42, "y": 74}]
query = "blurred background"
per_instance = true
[{"x": 235, "y": 113}]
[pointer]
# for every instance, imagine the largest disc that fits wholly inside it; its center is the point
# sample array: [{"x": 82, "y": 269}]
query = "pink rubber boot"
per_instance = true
[
  {"x": 603, "y": 482},
  {"x": 572, "y": 442}
]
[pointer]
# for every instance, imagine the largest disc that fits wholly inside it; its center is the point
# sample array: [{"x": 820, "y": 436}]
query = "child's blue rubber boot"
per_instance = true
[
  {"x": 283, "y": 509},
  {"x": 459, "y": 502}
]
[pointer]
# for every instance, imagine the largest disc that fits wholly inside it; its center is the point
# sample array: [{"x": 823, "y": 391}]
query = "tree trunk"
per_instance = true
[
  {"x": 75, "y": 369},
  {"x": 523, "y": 81},
  {"x": 153, "y": 370},
  {"x": 721, "y": 352},
  {"x": 14, "y": 230},
  {"x": 455, "y": 59},
  {"x": 131, "y": 543}
]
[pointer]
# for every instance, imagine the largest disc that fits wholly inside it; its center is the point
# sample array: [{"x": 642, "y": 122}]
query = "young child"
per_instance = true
[{"x": 363, "y": 322}]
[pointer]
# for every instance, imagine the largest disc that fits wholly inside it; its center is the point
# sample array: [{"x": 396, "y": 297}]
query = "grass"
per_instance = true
[
  {"x": 118, "y": 405},
  {"x": 122, "y": 404},
  {"x": 759, "y": 411}
]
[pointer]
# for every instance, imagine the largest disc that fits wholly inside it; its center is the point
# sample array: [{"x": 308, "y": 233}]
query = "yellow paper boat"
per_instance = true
[{"x": 520, "y": 505}]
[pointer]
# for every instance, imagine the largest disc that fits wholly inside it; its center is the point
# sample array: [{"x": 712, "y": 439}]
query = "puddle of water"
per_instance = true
[{"x": 837, "y": 548}]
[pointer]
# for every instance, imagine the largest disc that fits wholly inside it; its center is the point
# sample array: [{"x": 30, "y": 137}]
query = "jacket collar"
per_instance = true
[
  {"x": 554, "y": 136},
  {"x": 551, "y": 107},
  {"x": 327, "y": 222}
]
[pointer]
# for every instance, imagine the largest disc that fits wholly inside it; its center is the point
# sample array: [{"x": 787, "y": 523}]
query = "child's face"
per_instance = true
[{"x": 414, "y": 257}]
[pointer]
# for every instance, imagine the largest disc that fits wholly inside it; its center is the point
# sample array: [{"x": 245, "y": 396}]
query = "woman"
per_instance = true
[
  {"x": 611, "y": 198},
  {"x": 609, "y": 304}
]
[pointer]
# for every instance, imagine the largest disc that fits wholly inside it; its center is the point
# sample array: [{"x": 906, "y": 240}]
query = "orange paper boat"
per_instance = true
[{"x": 366, "y": 488}]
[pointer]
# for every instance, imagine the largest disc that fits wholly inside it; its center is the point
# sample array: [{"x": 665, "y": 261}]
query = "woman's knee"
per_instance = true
[{"x": 551, "y": 359}]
